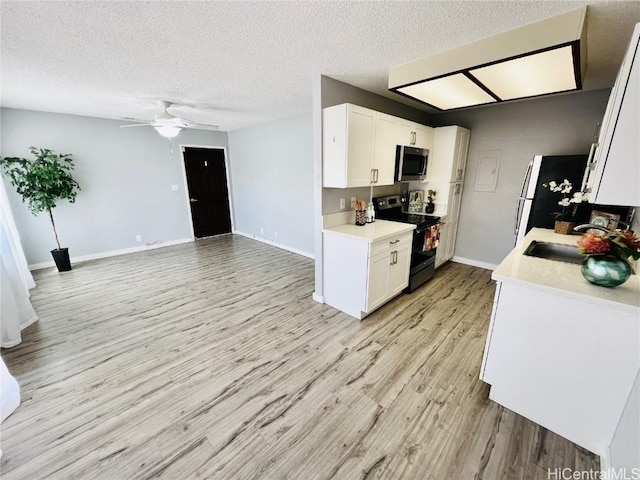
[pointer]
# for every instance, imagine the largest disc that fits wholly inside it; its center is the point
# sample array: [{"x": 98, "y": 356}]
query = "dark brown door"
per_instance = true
[{"x": 208, "y": 194}]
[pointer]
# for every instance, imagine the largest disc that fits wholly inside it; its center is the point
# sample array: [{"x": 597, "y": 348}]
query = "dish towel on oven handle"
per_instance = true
[{"x": 431, "y": 237}]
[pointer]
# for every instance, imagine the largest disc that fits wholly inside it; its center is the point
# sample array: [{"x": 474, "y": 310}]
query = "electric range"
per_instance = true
[{"x": 422, "y": 262}]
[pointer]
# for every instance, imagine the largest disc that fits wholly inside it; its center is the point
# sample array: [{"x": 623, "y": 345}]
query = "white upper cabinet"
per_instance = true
[
  {"x": 613, "y": 176},
  {"x": 347, "y": 146},
  {"x": 448, "y": 159},
  {"x": 384, "y": 151},
  {"x": 358, "y": 147},
  {"x": 413, "y": 134}
]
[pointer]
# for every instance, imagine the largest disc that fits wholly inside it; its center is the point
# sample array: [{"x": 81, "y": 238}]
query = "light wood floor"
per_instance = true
[{"x": 211, "y": 360}]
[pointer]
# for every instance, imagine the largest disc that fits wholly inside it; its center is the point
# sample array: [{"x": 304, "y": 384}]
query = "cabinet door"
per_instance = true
[
  {"x": 378, "y": 280},
  {"x": 462, "y": 140},
  {"x": 384, "y": 156},
  {"x": 421, "y": 136},
  {"x": 399, "y": 271},
  {"x": 360, "y": 126},
  {"x": 615, "y": 180},
  {"x": 441, "y": 252},
  {"x": 404, "y": 132},
  {"x": 455, "y": 199}
]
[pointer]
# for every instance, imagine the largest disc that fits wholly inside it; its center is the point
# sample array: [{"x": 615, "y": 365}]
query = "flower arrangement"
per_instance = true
[
  {"x": 622, "y": 243},
  {"x": 430, "y": 206},
  {"x": 567, "y": 214}
]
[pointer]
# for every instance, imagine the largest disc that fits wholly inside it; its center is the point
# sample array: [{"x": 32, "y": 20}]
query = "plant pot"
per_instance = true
[
  {"x": 605, "y": 270},
  {"x": 565, "y": 228},
  {"x": 430, "y": 207},
  {"x": 61, "y": 257}
]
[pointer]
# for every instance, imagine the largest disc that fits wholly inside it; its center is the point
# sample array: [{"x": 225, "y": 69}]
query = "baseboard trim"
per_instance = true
[
  {"x": 112, "y": 253},
  {"x": 274, "y": 244},
  {"x": 474, "y": 263},
  {"x": 318, "y": 298}
]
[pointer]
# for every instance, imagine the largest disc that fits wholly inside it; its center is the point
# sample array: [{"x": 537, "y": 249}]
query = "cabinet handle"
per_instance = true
[
  {"x": 394, "y": 242},
  {"x": 395, "y": 257},
  {"x": 591, "y": 165},
  {"x": 372, "y": 176},
  {"x": 391, "y": 259},
  {"x": 375, "y": 175}
]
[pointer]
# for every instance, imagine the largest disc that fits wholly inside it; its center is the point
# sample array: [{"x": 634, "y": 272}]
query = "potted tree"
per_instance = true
[{"x": 41, "y": 183}]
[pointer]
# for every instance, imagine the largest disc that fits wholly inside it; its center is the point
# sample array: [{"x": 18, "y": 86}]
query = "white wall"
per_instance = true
[
  {"x": 125, "y": 175},
  {"x": 554, "y": 125},
  {"x": 272, "y": 182}
]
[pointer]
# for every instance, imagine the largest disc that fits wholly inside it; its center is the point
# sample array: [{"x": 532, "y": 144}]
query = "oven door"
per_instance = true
[{"x": 419, "y": 258}]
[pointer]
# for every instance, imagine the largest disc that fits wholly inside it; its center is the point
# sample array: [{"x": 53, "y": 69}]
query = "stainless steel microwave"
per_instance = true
[{"x": 411, "y": 163}]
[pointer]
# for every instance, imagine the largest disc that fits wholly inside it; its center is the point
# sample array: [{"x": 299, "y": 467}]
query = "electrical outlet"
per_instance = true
[
  {"x": 275, "y": 234},
  {"x": 353, "y": 199},
  {"x": 343, "y": 203},
  {"x": 138, "y": 238},
  {"x": 174, "y": 188},
  {"x": 262, "y": 231}
]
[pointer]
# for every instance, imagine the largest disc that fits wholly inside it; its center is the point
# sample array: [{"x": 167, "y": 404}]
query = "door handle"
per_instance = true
[{"x": 193, "y": 200}]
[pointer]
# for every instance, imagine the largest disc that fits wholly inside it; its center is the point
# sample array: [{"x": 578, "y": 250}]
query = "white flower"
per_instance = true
[
  {"x": 577, "y": 197},
  {"x": 552, "y": 184},
  {"x": 564, "y": 202}
]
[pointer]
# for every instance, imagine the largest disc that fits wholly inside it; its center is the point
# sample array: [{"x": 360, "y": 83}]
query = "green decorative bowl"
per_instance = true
[{"x": 606, "y": 270}]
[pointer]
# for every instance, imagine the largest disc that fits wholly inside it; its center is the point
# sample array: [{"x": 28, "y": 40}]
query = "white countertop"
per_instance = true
[
  {"x": 561, "y": 277},
  {"x": 372, "y": 232}
]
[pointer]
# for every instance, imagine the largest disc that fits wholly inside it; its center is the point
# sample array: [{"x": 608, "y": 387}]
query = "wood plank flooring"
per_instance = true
[{"x": 211, "y": 360}]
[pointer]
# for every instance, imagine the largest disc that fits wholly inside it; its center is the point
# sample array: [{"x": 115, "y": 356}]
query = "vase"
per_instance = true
[
  {"x": 606, "y": 270},
  {"x": 563, "y": 227}
]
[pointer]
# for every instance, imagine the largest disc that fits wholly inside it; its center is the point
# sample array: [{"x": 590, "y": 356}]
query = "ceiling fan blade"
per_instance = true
[
  {"x": 197, "y": 126},
  {"x": 137, "y": 125}
]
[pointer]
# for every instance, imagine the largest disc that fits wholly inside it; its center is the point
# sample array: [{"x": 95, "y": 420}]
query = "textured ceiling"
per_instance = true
[{"x": 244, "y": 63}]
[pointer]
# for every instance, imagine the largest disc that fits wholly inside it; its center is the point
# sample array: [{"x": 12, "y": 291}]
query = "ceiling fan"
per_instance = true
[{"x": 168, "y": 125}]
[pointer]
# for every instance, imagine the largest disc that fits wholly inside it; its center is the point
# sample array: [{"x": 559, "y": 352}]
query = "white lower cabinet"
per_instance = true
[
  {"x": 566, "y": 363},
  {"x": 443, "y": 253},
  {"x": 360, "y": 275}
]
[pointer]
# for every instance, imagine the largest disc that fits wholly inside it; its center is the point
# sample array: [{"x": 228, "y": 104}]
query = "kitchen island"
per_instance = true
[{"x": 565, "y": 353}]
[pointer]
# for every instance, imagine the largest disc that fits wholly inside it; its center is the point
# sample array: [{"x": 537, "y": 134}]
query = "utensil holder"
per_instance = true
[{"x": 361, "y": 217}]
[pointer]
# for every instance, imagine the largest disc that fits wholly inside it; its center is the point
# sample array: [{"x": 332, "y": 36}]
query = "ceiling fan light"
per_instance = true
[{"x": 168, "y": 131}]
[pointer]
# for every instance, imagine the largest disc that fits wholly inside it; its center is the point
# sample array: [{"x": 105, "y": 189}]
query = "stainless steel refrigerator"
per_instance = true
[{"x": 537, "y": 204}]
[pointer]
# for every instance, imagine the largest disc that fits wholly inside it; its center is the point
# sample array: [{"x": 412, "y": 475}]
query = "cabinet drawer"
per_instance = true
[{"x": 392, "y": 243}]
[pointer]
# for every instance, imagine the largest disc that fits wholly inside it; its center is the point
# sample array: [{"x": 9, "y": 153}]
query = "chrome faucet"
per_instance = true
[{"x": 588, "y": 226}]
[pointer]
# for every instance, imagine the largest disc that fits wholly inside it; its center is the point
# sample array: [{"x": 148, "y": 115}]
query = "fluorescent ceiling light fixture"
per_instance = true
[
  {"x": 168, "y": 131},
  {"x": 538, "y": 59},
  {"x": 450, "y": 92},
  {"x": 538, "y": 74}
]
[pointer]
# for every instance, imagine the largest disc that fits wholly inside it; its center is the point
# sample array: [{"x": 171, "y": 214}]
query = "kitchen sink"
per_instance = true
[{"x": 554, "y": 251}]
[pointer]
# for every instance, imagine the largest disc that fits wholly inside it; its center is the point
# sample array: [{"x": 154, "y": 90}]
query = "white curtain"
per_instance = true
[{"x": 16, "y": 312}]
